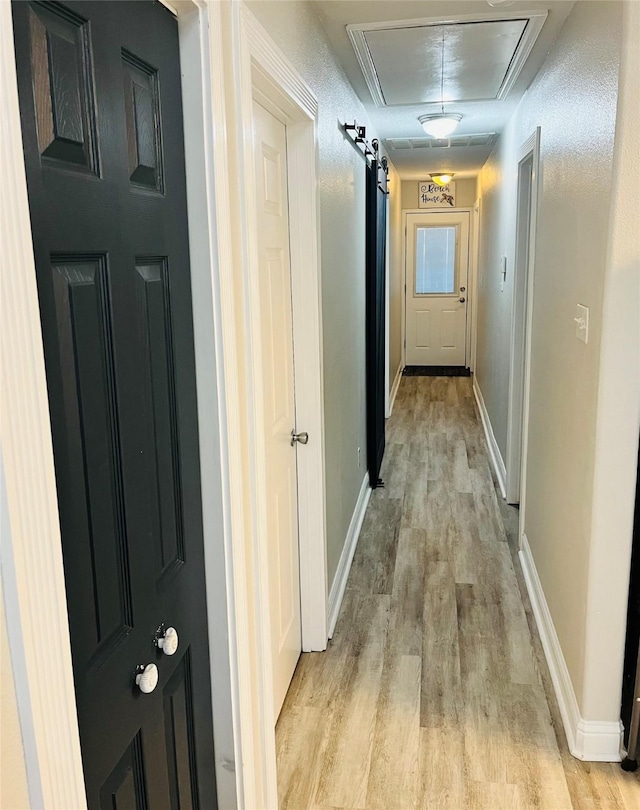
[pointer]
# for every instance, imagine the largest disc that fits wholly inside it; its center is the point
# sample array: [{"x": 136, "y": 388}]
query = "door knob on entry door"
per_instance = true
[
  {"x": 462, "y": 299},
  {"x": 303, "y": 438},
  {"x": 166, "y": 639},
  {"x": 147, "y": 678}
]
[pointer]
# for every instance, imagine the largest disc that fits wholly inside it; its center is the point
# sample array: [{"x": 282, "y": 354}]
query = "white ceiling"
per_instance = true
[{"x": 404, "y": 69}]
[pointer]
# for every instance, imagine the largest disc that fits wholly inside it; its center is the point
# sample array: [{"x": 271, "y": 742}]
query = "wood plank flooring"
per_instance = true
[{"x": 434, "y": 693}]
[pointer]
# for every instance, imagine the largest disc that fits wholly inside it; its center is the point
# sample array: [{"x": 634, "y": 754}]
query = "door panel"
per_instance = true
[
  {"x": 448, "y": 328},
  {"x": 100, "y": 101},
  {"x": 437, "y": 252},
  {"x": 126, "y": 786},
  {"x": 63, "y": 86},
  {"x": 85, "y": 344},
  {"x": 160, "y": 406},
  {"x": 276, "y": 327},
  {"x": 423, "y": 328},
  {"x": 178, "y": 724}
]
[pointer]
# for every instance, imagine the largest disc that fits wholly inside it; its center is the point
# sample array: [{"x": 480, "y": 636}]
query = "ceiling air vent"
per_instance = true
[{"x": 481, "y": 139}]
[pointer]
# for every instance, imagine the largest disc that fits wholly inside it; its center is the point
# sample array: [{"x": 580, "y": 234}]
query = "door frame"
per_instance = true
[
  {"x": 474, "y": 267},
  {"x": 470, "y": 291},
  {"x": 520, "y": 341},
  {"x": 31, "y": 551},
  {"x": 256, "y": 68},
  {"x": 388, "y": 382}
]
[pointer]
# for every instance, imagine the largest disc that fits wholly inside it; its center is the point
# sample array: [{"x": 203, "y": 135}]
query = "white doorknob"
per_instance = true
[
  {"x": 147, "y": 677},
  {"x": 168, "y": 643}
]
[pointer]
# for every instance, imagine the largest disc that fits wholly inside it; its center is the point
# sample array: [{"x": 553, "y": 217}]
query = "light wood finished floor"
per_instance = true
[{"x": 434, "y": 693}]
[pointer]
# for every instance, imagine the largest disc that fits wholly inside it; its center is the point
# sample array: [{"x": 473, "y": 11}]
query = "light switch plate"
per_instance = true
[{"x": 582, "y": 323}]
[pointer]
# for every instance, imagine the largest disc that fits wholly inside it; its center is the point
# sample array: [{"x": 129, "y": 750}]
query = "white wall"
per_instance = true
[
  {"x": 618, "y": 409},
  {"x": 573, "y": 100},
  {"x": 296, "y": 29}
]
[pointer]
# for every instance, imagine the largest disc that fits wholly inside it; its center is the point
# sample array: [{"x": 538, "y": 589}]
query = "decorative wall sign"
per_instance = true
[{"x": 431, "y": 195}]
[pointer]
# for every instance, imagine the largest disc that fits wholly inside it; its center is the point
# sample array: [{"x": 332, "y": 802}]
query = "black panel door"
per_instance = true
[
  {"x": 375, "y": 317},
  {"x": 100, "y": 100}
]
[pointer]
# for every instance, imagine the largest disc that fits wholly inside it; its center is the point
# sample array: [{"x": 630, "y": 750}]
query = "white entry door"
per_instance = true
[
  {"x": 437, "y": 252},
  {"x": 276, "y": 329}
]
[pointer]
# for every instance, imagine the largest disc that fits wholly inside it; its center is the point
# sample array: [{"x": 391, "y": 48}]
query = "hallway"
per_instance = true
[{"x": 434, "y": 691}]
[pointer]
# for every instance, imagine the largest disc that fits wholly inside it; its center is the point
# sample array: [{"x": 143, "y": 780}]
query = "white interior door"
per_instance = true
[
  {"x": 276, "y": 328},
  {"x": 437, "y": 254}
]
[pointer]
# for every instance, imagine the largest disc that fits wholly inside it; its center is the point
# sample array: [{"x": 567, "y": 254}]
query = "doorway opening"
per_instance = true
[{"x": 521, "y": 316}]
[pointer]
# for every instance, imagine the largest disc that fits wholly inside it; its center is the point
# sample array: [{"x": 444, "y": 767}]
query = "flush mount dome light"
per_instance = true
[
  {"x": 443, "y": 178},
  {"x": 440, "y": 125}
]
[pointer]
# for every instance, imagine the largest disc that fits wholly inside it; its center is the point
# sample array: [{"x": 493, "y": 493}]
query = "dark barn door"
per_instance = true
[
  {"x": 100, "y": 99},
  {"x": 633, "y": 622},
  {"x": 375, "y": 317}
]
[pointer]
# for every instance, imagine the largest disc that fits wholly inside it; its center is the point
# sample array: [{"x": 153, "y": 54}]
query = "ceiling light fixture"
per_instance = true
[
  {"x": 442, "y": 124},
  {"x": 442, "y": 179}
]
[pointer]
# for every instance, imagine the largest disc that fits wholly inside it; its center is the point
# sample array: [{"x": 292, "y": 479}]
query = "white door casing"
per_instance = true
[
  {"x": 278, "y": 384},
  {"x": 521, "y": 323},
  {"x": 227, "y": 221},
  {"x": 257, "y": 69},
  {"x": 435, "y": 298}
]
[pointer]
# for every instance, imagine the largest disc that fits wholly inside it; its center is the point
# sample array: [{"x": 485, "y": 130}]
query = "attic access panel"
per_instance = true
[{"x": 401, "y": 61}]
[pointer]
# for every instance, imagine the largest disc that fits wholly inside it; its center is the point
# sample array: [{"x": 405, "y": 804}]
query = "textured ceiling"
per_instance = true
[
  {"x": 406, "y": 79},
  {"x": 476, "y": 59}
]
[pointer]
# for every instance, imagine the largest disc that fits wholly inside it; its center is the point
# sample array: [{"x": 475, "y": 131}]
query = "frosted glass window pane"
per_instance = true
[{"x": 435, "y": 260}]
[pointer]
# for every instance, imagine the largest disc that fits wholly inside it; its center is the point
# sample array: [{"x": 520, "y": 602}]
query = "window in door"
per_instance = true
[{"x": 435, "y": 269}]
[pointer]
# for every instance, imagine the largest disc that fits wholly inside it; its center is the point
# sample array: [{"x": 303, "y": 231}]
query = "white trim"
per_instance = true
[
  {"x": 346, "y": 558},
  {"x": 169, "y": 6},
  {"x": 474, "y": 285},
  {"x": 32, "y": 567},
  {"x": 255, "y": 67},
  {"x": 357, "y": 35},
  {"x": 588, "y": 740},
  {"x": 492, "y": 445},
  {"x": 535, "y": 183},
  {"x": 200, "y": 62},
  {"x": 394, "y": 388},
  {"x": 521, "y": 326},
  {"x": 269, "y": 76},
  {"x": 403, "y": 290},
  {"x": 403, "y": 319}
]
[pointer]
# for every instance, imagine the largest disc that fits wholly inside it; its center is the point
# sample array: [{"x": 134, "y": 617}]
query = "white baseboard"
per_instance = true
[
  {"x": 346, "y": 558},
  {"x": 492, "y": 444},
  {"x": 589, "y": 740},
  {"x": 394, "y": 389}
]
